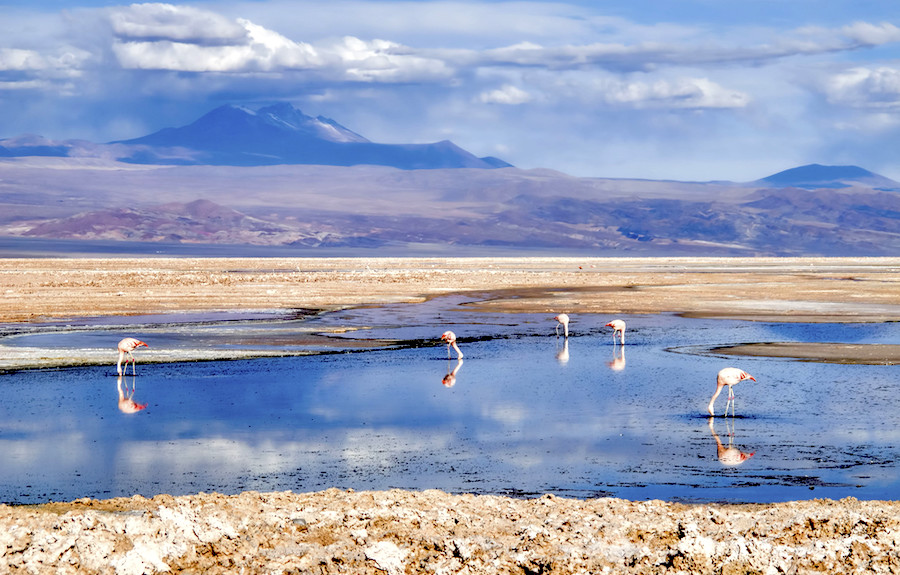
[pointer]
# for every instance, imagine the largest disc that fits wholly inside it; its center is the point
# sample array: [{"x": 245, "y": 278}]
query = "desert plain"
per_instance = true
[{"x": 337, "y": 531}]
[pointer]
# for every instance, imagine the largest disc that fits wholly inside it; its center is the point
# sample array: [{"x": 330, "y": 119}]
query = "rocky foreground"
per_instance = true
[{"x": 399, "y": 532}]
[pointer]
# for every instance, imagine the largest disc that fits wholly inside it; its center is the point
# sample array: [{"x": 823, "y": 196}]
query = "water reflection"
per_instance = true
[
  {"x": 618, "y": 361},
  {"x": 450, "y": 379},
  {"x": 562, "y": 355},
  {"x": 731, "y": 455},
  {"x": 127, "y": 404},
  {"x": 375, "y": 420}
]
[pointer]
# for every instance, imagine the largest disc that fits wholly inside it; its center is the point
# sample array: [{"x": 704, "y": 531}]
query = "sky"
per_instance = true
[{"x": 692, "y": 90}]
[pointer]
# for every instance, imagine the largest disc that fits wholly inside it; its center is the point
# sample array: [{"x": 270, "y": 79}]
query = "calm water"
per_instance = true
[{"x": 519, "y": 419}]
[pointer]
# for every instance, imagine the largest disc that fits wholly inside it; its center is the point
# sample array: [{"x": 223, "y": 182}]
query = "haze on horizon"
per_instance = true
[{"x": 695, "y": 90}]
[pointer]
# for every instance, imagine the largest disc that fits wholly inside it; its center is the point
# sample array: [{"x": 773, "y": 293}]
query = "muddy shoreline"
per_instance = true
[{"x": 336, "y": 531}]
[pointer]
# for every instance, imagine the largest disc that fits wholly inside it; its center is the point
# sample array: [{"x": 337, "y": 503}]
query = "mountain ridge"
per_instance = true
[
  {"x": 281, "y": 134},
  {"x": 507, "y": 209},
  {"x": 815, "y": 176},
  {"x": 301, "y": 185},
  {"x": 233, "y": 135}
]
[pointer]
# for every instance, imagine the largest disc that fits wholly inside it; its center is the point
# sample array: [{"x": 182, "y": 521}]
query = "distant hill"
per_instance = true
[
  {"x": 814, "y": 176},
  {"x": 364, "y": 207},
  {"x": 281, "y": 134}
]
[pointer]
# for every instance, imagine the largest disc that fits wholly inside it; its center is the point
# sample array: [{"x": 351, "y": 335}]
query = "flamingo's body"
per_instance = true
[
  {"x": 450, "y": 338},
  {"x": 729, "y": 376},
  {"x": 126, "y": 346},
  {"x": 563, "y": 320},
  {"x": 618, "y": 328}
]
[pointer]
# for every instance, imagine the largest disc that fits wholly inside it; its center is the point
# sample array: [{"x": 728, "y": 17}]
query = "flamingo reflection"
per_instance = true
[
  {"x": 562, "y": 355},
  {"x": 450, "y": 379},
  {"x": 730, "y": 455},
  {"x": 618, "y": 361},
  {"x": 127, "y": 404}
]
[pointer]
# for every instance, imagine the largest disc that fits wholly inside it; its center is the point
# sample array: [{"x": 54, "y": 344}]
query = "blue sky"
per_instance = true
[{"x": 658, "y": 89}]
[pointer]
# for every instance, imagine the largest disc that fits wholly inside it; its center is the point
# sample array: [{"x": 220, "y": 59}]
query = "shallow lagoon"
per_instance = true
[{"x": 519, "y": 419}]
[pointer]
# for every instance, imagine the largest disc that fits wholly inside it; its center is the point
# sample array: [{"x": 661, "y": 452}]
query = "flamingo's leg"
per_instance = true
[{"x": 730, "y": 400}]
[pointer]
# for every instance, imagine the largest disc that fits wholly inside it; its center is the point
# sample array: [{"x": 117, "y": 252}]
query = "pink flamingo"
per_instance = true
[
  {"x": 618, "y": 328},
  {"x": 729, "y": 376},
  {"x": 450, "y": 338},
  {"x": 563, "y": 320},
  {"x": 126, "y": 346}
]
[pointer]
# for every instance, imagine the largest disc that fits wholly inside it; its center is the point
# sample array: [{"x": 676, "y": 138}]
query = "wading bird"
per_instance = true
[
  {"x": 618, "y": 328},
  {"x": 450, "y": 338},
  {"x": 729, "y": 376},
  {"x": 563, "y": 320},
  {"x": 126, "y": 346}
]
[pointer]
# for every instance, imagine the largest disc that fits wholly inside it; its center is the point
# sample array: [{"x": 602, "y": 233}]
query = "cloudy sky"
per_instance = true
[{"x": 659, "y": 89}]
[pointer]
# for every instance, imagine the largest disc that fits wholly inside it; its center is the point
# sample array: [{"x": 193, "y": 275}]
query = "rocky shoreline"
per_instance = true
[{"x": 398, "y": 532}]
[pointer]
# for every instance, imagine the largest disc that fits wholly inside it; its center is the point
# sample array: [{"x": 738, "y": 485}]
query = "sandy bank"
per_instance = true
[{"x": 765, "y": 289}]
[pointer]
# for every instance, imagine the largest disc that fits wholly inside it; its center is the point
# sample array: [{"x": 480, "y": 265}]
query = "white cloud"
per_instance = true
[
  {"x": 614, "y": 92},
  {"x": 863, "y": 87},
  {"x": 60, "y": 63},
  {"x": 682, "y": 93},
  {"x": 508, "y": 94},
  {"x": 383, "y": 61},
  {"x": 12, "y": 59},
  {"x": 152, "y": 39},
  {"x": 868, "y": 34},
  {"x": 176, "y": 23},
  {"x": 165, "y": 37}
]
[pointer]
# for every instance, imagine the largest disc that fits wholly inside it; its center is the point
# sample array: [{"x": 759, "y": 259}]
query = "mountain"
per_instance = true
[
  {"x": 278, "y": 178},
  {"x": 815, "y": 176},
  {"x": 281, "y": 134},
  {"x": 439, "y": 211}
]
